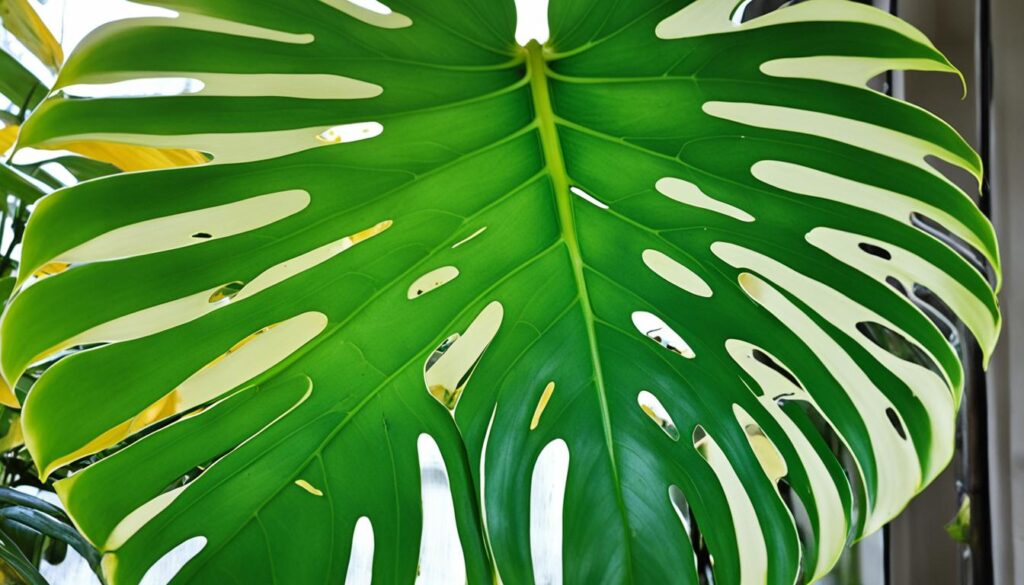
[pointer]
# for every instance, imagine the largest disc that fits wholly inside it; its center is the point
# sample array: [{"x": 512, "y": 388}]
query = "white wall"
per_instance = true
[{"x": 1006, "y": 375}]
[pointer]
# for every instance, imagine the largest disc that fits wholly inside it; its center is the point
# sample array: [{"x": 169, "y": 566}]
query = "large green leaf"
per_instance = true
[{"x": 390, "y": 228}]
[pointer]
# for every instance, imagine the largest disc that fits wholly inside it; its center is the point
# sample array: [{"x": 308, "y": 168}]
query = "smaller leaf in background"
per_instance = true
[
  {"x": 8, "y": 134},
  {"x": 959, "y": 528},
  {"x": 79, "y": 168},
  {"x": 15, "y": 566},
  {"x": 55, "y": 529},
  {"x": 10, "y": 426},
  {"x": 19, "y": 85},
  {"x": 13, "y": 497},
  {"x": 33, "y": 528},
  {"x": 84, "y": 169},
  {"x": 22, "y": 21},
  {"x": 8, "y": 429},
  {"x": 20, "y": 185},
  {"x": 6, "y": 288}
]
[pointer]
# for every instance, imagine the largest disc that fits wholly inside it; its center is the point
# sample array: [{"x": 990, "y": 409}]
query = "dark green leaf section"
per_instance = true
[{"x": 19, "y": 85}]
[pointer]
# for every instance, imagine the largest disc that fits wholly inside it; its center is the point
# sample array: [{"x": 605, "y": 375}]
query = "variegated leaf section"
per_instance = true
[{"x": 443, "y": 309}]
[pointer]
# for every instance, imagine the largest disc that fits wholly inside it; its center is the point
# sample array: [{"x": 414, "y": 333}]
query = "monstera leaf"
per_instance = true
[
  {"x": 24, "y": 90},
  {"x": 444, "y": 308}
]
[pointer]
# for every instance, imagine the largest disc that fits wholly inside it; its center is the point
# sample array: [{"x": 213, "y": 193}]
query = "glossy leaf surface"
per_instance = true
[{"x": 531, "y": 311}]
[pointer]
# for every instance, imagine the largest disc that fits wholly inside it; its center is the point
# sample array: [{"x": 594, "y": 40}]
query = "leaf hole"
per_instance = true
[
  {"x": 135, "y": 88},
  {"x": 532, "y": 21},
  {"x": 804, "y": 527},
  {"x": 448, "y": 368},
  {"x": 308, "y": 487},
  {"x": 243, "y": 361},
  {"x": 656, "y": 411},
  {"x": 587, "y": 197},
  {"x": 882, "y": 83},
  {"x": 767, "y": 454},
  {"x": 933, "y": 307},
  {"x": 547, "y": 510},
  {"x": 972, "y": 255},
  {"x": 750, "y": 9},
  {"x": 469, "y": 237},
  {"x": 894, "y": 420},
  {"x": 441, "y": 555},
  {"x": 432, "y": 280},
  {"x": 171, "y": 563},
  {"x": 350, "y": 132},
  {"x": 783, "y": 399},
  {"x": 542, "y": 404},
  {"x": 896, "y": 285},
  {"x": 681, "y": 506},
  {"x": 699, "y": 438},
  {"x": 373, "y": 6},
  {"x": 897, "y": 345},
  {"x": 439, "y": 351},
  {"x": 227, "y": 292},
  {"x": 657, "y": 330},
  {"x": 202, "y": 235},
  {"x": 806, "y": 414},
  {"x": 676, "y": 273},
  {"x": 875, "y": 250},
  {"x": 360, "y": 562},
  {"x": 939, "y": 312},
  {"x": 768, "y": 361}
]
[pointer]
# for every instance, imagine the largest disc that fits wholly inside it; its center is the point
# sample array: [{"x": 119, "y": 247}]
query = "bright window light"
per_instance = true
[{"x": 532, "y": 23}]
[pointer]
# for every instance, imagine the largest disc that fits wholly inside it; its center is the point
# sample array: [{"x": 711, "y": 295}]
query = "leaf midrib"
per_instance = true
[{"x": 537, "y": 72}]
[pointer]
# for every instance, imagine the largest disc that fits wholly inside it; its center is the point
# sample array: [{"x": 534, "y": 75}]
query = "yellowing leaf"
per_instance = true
[
  {"x": 22, "y": 21},
  {"x": 7, "y": 397},
  {"x": 8, "y": 134},
  {"x": 129, "y": 157},
  {"x": 51, "y": 269}
]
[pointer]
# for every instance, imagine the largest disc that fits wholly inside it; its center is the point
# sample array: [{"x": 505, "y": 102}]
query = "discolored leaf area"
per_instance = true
[{"x": 441, "y": 309}]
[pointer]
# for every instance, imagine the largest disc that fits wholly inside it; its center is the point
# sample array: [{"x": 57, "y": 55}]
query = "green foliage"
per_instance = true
[
  {"x": 959, "y": 528},
  {"x": 385, "y": 308}
]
